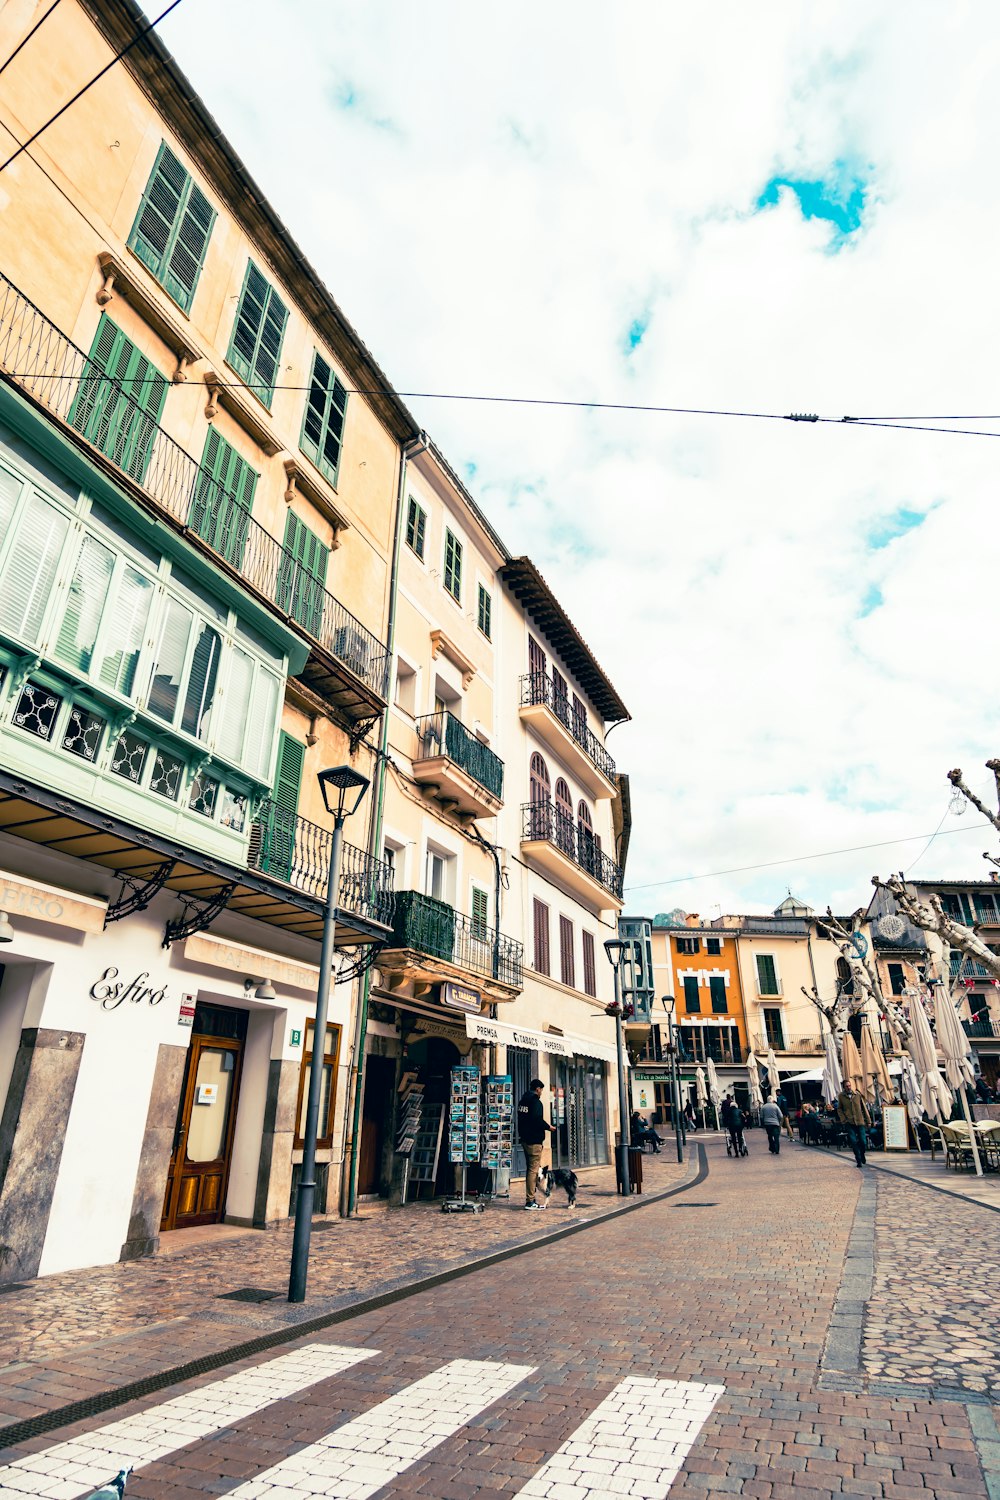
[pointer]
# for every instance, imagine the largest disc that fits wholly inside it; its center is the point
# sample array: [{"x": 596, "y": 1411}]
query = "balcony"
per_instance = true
[
  {"x": 295, "y": 852},
  {"x": 769, "y": 989},
  {"x": 431, "y": 944},
  {"x": 968, "y": 968},
  {"x": 982, "y": 1029},
  {"x": 812, "y": 1046},
  {"x": 451, "y": 764},
  {"x": 570, "y": 853},
  {"x": 348, "y": 663},
  {"x": 550, "y": 713},
  {"x": 694, "y": 1046}
]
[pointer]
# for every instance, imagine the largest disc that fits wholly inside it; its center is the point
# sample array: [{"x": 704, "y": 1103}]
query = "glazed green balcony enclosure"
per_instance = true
[
  {"x": 464, "y": 772},
  {"x": 426, "y": 925}
]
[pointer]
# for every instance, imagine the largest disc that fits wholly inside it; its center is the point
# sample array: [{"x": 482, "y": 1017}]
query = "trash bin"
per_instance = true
[{"x": 635, "y": 1168}]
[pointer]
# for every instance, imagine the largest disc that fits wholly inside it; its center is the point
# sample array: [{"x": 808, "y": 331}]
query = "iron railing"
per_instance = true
[
  {"x": 543, "y": 820},
  {"x": 443, "y": 734},
  {"x": 968, "y": 968},
  {"x": 767, "y": 992},
  {"x": 693, "y": 1047},
  {"x": 297, "y": 852},
  {"x": 982, "y": 1028},
  {"x": 57, "y": 375},
  {"x": 538, "y": 687},
  {"x": 808, "y": 1044},
  {"x": 986, "y": 916},
  {"x": 435, "y": 928}
]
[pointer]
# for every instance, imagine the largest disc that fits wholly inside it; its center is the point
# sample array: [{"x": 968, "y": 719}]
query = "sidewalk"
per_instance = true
[
  {"x": 78, "y": 1335},
  {"x": 916, "y": 1166}
]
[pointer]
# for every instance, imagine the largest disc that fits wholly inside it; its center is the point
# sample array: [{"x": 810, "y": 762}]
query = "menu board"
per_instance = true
[
  {"x": 894, "y": 1127},
  {"x": 463, "y": 1115},
  {"x": 498, "y": 1114}
]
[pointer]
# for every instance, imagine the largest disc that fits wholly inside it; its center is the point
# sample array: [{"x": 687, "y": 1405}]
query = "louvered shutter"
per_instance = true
[
  {"x": 236, "y": 705},
  {"x": 88, "y": 593},
  {"x": 589, "y": 968},
  {"x": 165, "y": 686},
  {"x": 187, "y": 253},
  {"x": 767, "y": 977},
  {"x": 692, "y": 995},
  {"x": 199, "y": 699},
  {"x": 323, "y": 422},
  {"x": 261, "y": 728},
  {"x": 480, "y": 912},
  {"x": 223, "y": 498},
  {"x": 126, "y": 628},
  {"x": 10, "y": 492},
  {"x": 541, "y": 914},
  {"x": 158, "y": 211},
  {"x": 567, "y": 963},
  {"x": 30, "y": 569},
  {"x": 285, "y": 806},
  {"x": 258, "y": 333},
  {"x": 717, "y": 990},
  {"x": 119, "y": 414},
  {"x": 302, "y": 577}
]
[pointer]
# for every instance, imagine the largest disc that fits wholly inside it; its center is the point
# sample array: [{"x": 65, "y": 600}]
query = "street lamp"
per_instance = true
[
  {"x": 343, "y": 789},
  {"x": 615, "y": 948},
  {"x": 669, "y": 1003}
]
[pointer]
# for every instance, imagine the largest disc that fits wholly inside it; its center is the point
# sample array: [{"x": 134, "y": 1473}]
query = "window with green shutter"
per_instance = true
[
  {"x": 172, "y": 228},
  {"x": 767, "y": 978},
  {"x": 301, "y": 590},
  {"x": 692, "y": 996},
  {"x": 485, "y": 613},
  {"x": 223, "y": 498},
  {"x": 717, "y": 989},
  {"x": 416, "y": 527},
  {"x": 453, "y": 566},
  {"x": 323, "y": 422},
  {"x": 480, "y": 913},
  {"x": 277, "y": 854},
  {"x": 120, "y": 400},
  {"x": 257, "y": 334}
]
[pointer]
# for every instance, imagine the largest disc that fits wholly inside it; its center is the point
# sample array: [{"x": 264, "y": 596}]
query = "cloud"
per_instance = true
[{"x": 792, "y": 612}]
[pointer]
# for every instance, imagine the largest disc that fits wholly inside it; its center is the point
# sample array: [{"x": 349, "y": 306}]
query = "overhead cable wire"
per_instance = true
[
  {"x": 150, "y": 26},
  {"x": 25, "y": 40}
]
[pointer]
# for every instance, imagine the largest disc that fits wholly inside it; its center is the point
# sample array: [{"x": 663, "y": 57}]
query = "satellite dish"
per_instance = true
[{"x": 891, "y": 926}]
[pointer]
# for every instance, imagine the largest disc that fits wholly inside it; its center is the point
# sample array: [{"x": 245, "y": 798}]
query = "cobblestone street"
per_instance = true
[{"x": 700, "y": 1344}]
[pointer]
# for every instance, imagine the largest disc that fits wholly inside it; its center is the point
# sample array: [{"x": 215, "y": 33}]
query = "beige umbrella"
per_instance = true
[
  {"x": 957, "y": 1056},
  {"x": 714, "y": 1091},
  {"x": 753, "y": 1079},
  {"x": 701, "y": 1092},
  {"x": 873, "y": 1066},
  {"x": 771, "y": 1063},
  {"x": 850, "y": 1063},
  {"x": 832, "y": 1080},
  {"x": 935, "y": 1095}
]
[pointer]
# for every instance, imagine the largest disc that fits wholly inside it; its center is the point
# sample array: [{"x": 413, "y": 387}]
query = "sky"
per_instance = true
[{"x": 773, "y": 208}]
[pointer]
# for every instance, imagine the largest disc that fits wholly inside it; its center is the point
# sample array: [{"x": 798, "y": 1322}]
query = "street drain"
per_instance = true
[
  {"x": 247, "y": 1294},
  {"x": 696, "y": 1205}
]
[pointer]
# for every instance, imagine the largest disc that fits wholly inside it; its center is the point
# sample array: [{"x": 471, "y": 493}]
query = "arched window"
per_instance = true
[
  {"x": 540, "y": 784},
  {"x": 564, "y": 817},
  {"x": 586, "y": 842}
]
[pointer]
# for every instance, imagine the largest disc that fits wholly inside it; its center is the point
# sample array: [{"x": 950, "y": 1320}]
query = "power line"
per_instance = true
[
  {"x": 150, "y": 26},
  {"x": 798, "y": 859},
  {"x": 25, "y": 40}
]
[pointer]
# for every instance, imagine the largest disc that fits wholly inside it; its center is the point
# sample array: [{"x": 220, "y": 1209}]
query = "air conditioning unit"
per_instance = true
[{"x": 352, "y": 648}]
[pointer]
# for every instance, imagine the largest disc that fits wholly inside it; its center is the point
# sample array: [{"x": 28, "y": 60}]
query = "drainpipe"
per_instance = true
[{"x": 348, "y": 1197}]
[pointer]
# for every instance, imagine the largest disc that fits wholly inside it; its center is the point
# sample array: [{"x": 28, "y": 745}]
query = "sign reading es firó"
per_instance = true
[{"x": 47, "y": 903}]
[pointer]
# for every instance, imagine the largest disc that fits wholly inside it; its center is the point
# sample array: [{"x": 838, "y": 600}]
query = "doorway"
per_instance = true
[
  {"x": 206, "y": 1119},
  {"x": 376, "y": 1108}
]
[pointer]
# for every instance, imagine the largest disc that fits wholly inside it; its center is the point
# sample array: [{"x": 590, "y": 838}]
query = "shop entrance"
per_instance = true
[
  {"x": 376, "y": 1112},
  {"x": 206, "y": 1118},
  {"x": 434, "y": 1059},
  {"x": 579, "y": 1113},
  {"x": 522, "y": 1065}
]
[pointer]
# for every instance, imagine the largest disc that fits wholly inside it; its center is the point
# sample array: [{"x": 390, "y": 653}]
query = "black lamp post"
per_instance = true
[
  {"x": 343, "y": 789},
  {"x": 669, "y": 1003},
  {"x": 615, "y": 948}
]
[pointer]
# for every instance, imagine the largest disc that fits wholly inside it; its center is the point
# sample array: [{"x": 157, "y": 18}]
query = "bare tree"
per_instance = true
[{"x": 864, "y": 988}]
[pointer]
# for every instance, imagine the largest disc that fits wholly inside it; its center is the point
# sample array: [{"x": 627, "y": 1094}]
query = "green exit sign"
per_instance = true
[{"x": 295, "y": 1039}]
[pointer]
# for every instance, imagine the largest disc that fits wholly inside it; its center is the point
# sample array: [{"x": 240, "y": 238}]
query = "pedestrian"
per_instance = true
[
  {"x": 771, "y": 1118},
  {"x": 854, "y": 1115},
  {"x": 782, "y": 1104},
  {"x": 532, "y": 1128},
  {"x": 732, "y": 1121},
  {"x": 689, "y": 1116}
]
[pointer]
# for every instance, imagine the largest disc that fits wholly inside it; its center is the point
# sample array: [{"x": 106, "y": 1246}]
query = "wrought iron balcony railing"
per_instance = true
[
  {"x": 968, "y": 968},
  {"x": 71, "y": 386},
  {"x": 982, "y": 1029},
  {"x": 443, "y": 734},
  {"x": 435, "y": 928},
  {"x": 809, "y": 1044},
  {"x": 543, "y": 820},
  {"x": 538, "y": 687},
  {"x": 986, "y": 915},
  {"x": 297, "y": 852}
]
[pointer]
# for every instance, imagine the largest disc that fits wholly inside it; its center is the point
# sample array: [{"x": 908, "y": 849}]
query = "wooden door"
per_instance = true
[
  {"x": 203, "y": 1143},
  {"x": 376, "y": 1104}
]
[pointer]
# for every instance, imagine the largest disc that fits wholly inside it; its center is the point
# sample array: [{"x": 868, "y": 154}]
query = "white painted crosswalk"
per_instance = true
[
  {"x": 634, "y": 1443},
  {"x": 355, "y": 1460},
  {"x": 68, "y": 1470}
]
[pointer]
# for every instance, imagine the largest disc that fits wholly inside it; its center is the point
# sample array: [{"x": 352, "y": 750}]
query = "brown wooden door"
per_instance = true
[
  {"x": 199, "y": 1165},
  {"x": 380, "y": 1073}
]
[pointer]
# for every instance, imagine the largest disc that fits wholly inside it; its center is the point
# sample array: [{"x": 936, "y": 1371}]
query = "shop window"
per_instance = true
[
  {"x": 327, "y": 1090},
  {"x": 36, "y": 709}
]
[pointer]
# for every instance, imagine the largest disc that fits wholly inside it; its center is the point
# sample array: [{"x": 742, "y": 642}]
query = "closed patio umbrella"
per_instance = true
[
  {"x": 850, "y": 1063},
  {"x": 935, "y": 1095},
  {"x": 701, "y": 1092},
  {"x": 714, "y": 1091},
  {"x": 832, "y": 1080},
  {"x": 873, "y": 1065},
  {"x": 771, "y": 1063},
  {"x": 957, "y": 1056},
  {"x": 909, "y": 1085},
  {"x": 753, "y": 1079}
]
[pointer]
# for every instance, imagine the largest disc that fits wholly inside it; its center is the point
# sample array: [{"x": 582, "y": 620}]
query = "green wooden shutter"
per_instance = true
[
  {"x": 223, "y": 498},
  {"x": 258, "y": 333},
  {"x": 120, "y": 400},
  {"x": 278, "y": 853},
  {"x": 480, "y": 913},
  {"x": 171, "y": 230},
  {"x": 767, "y": 978},
  {"x": 323, "y": 421},
  {"x": 717, "y": 989},
  {"x": 302, "y": 576},
  {"x": 692, "y": 997}
]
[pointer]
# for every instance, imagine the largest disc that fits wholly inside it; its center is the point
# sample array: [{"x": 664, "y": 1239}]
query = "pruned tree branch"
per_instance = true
[{"x": 930, "y": 916}]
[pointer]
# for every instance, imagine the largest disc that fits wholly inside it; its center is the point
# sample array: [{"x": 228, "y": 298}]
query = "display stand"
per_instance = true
[
  {"x": 498, "y": 1119},
  {"x": 422, "y": 1162},
  {"x": 464, "y": 1123},
  {"x": 410, "y": 1105}
]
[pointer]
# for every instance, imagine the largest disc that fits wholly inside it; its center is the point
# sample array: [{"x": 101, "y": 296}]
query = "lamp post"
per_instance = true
[
  {"x": 343, "y": 789},
  {"x": 615, "y": 949},
  {"x": 668, "y": 1002}
]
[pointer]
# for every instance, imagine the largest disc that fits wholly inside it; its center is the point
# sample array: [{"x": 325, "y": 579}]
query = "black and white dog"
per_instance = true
[{"x": 550, "y": 1177}]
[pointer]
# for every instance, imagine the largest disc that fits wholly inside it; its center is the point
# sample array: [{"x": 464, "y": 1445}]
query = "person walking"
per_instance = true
[
  {"x": 855, "y": 1116},
  {"x": 782, "y": 1104},
  {"x": 771, "y": 1118},
  {"x": 532, "y": 1128},
  {"x": 732, "y": 1121}
]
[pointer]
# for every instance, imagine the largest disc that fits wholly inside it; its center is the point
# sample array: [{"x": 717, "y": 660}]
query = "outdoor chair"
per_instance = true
[
  {"x": 936, "y": 1139},
  {"x": 958, "y": 1145}
]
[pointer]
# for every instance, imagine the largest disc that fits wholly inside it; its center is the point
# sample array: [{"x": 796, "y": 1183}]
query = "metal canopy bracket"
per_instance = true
[
  {"x": 135, "y": 895},
  {"x": 200, "y": 911}
]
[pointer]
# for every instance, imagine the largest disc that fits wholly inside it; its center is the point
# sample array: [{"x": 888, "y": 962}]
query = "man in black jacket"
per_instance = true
[{"x": 531, "y": 1130}]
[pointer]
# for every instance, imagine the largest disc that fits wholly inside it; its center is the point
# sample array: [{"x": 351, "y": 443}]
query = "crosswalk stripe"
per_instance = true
[
  {"x": 68, "y": 1470},
  {"x": 370, "y": 1451},
  {"x": 632, "y": 1444}
]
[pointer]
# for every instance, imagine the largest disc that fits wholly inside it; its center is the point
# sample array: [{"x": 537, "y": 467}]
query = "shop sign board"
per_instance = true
[
  {"x": 461, "y": 997},
  {"x": 186, "y": 1016},
  {"x": 46, "y": 903},
  {"x": 894, "y": 1127},
  {"x": 112, "y": 991}
]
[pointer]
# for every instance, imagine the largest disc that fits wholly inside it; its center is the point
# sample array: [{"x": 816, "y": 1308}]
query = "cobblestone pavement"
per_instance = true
[
  {"x": 679, "y": 1347},
  {"x": 935, "y": 1310}
]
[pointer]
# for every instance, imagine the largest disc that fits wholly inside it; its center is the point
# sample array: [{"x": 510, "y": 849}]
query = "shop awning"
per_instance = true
[
  {"x": 815, "y": 1075},
  {"x": 482, "y": 1029}
]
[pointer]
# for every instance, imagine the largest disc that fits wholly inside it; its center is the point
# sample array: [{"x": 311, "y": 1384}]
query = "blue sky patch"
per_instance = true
[
  {"x": 886, "y": 529},
  {"x": 840, "y": 199},
  {"x": 636, "y": 333},
  {"x": 873, "y": 600}
]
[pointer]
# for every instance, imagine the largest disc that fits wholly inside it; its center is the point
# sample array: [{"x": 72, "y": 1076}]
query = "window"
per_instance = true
[
  {"x": 540, "y": 784},
  {"x": 258, "y": 332},
  {"x": 579, "y": 719},
  {"x": 541, "y": 914},
  {"x": 36, "y": 544},
  {"x": 36, "y": 709},
  {"x": 223, "y": 498},
  {"x": 564, "y": 817},
  {"x": 453, "y": 566},
  {"x": 302, "y": 575},
  {"x": 416, "y": 527},
  {"x": 119, "y": 400},
  {"x": 280, "y": 818},
  {"x": 485, "y": 613},
  {"x": 536, "y": 666},
  {"x": 439, "y": 875},
  {"x": 567, "y": 960},
  {"x": 171, "y": 230},
  {"x": 328, "y": 1086},
  {"x": 323, "y": 422},
  {"x": 406, "y": 687},
  {"x": 560, "y": 696},
  {"x": 480, "y": 913},
  {"x": 713, "y": 946},
  {"x": 772, "y": 1028},
  {"x": 897, "y": 978},
  {"x": 688, "y": 945},
  {"x": 589, "y": 967},
  {"x": 717, "y": 990},
  {"x": 767, "y": 978},
  {"x": 692, "y": 996}
]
